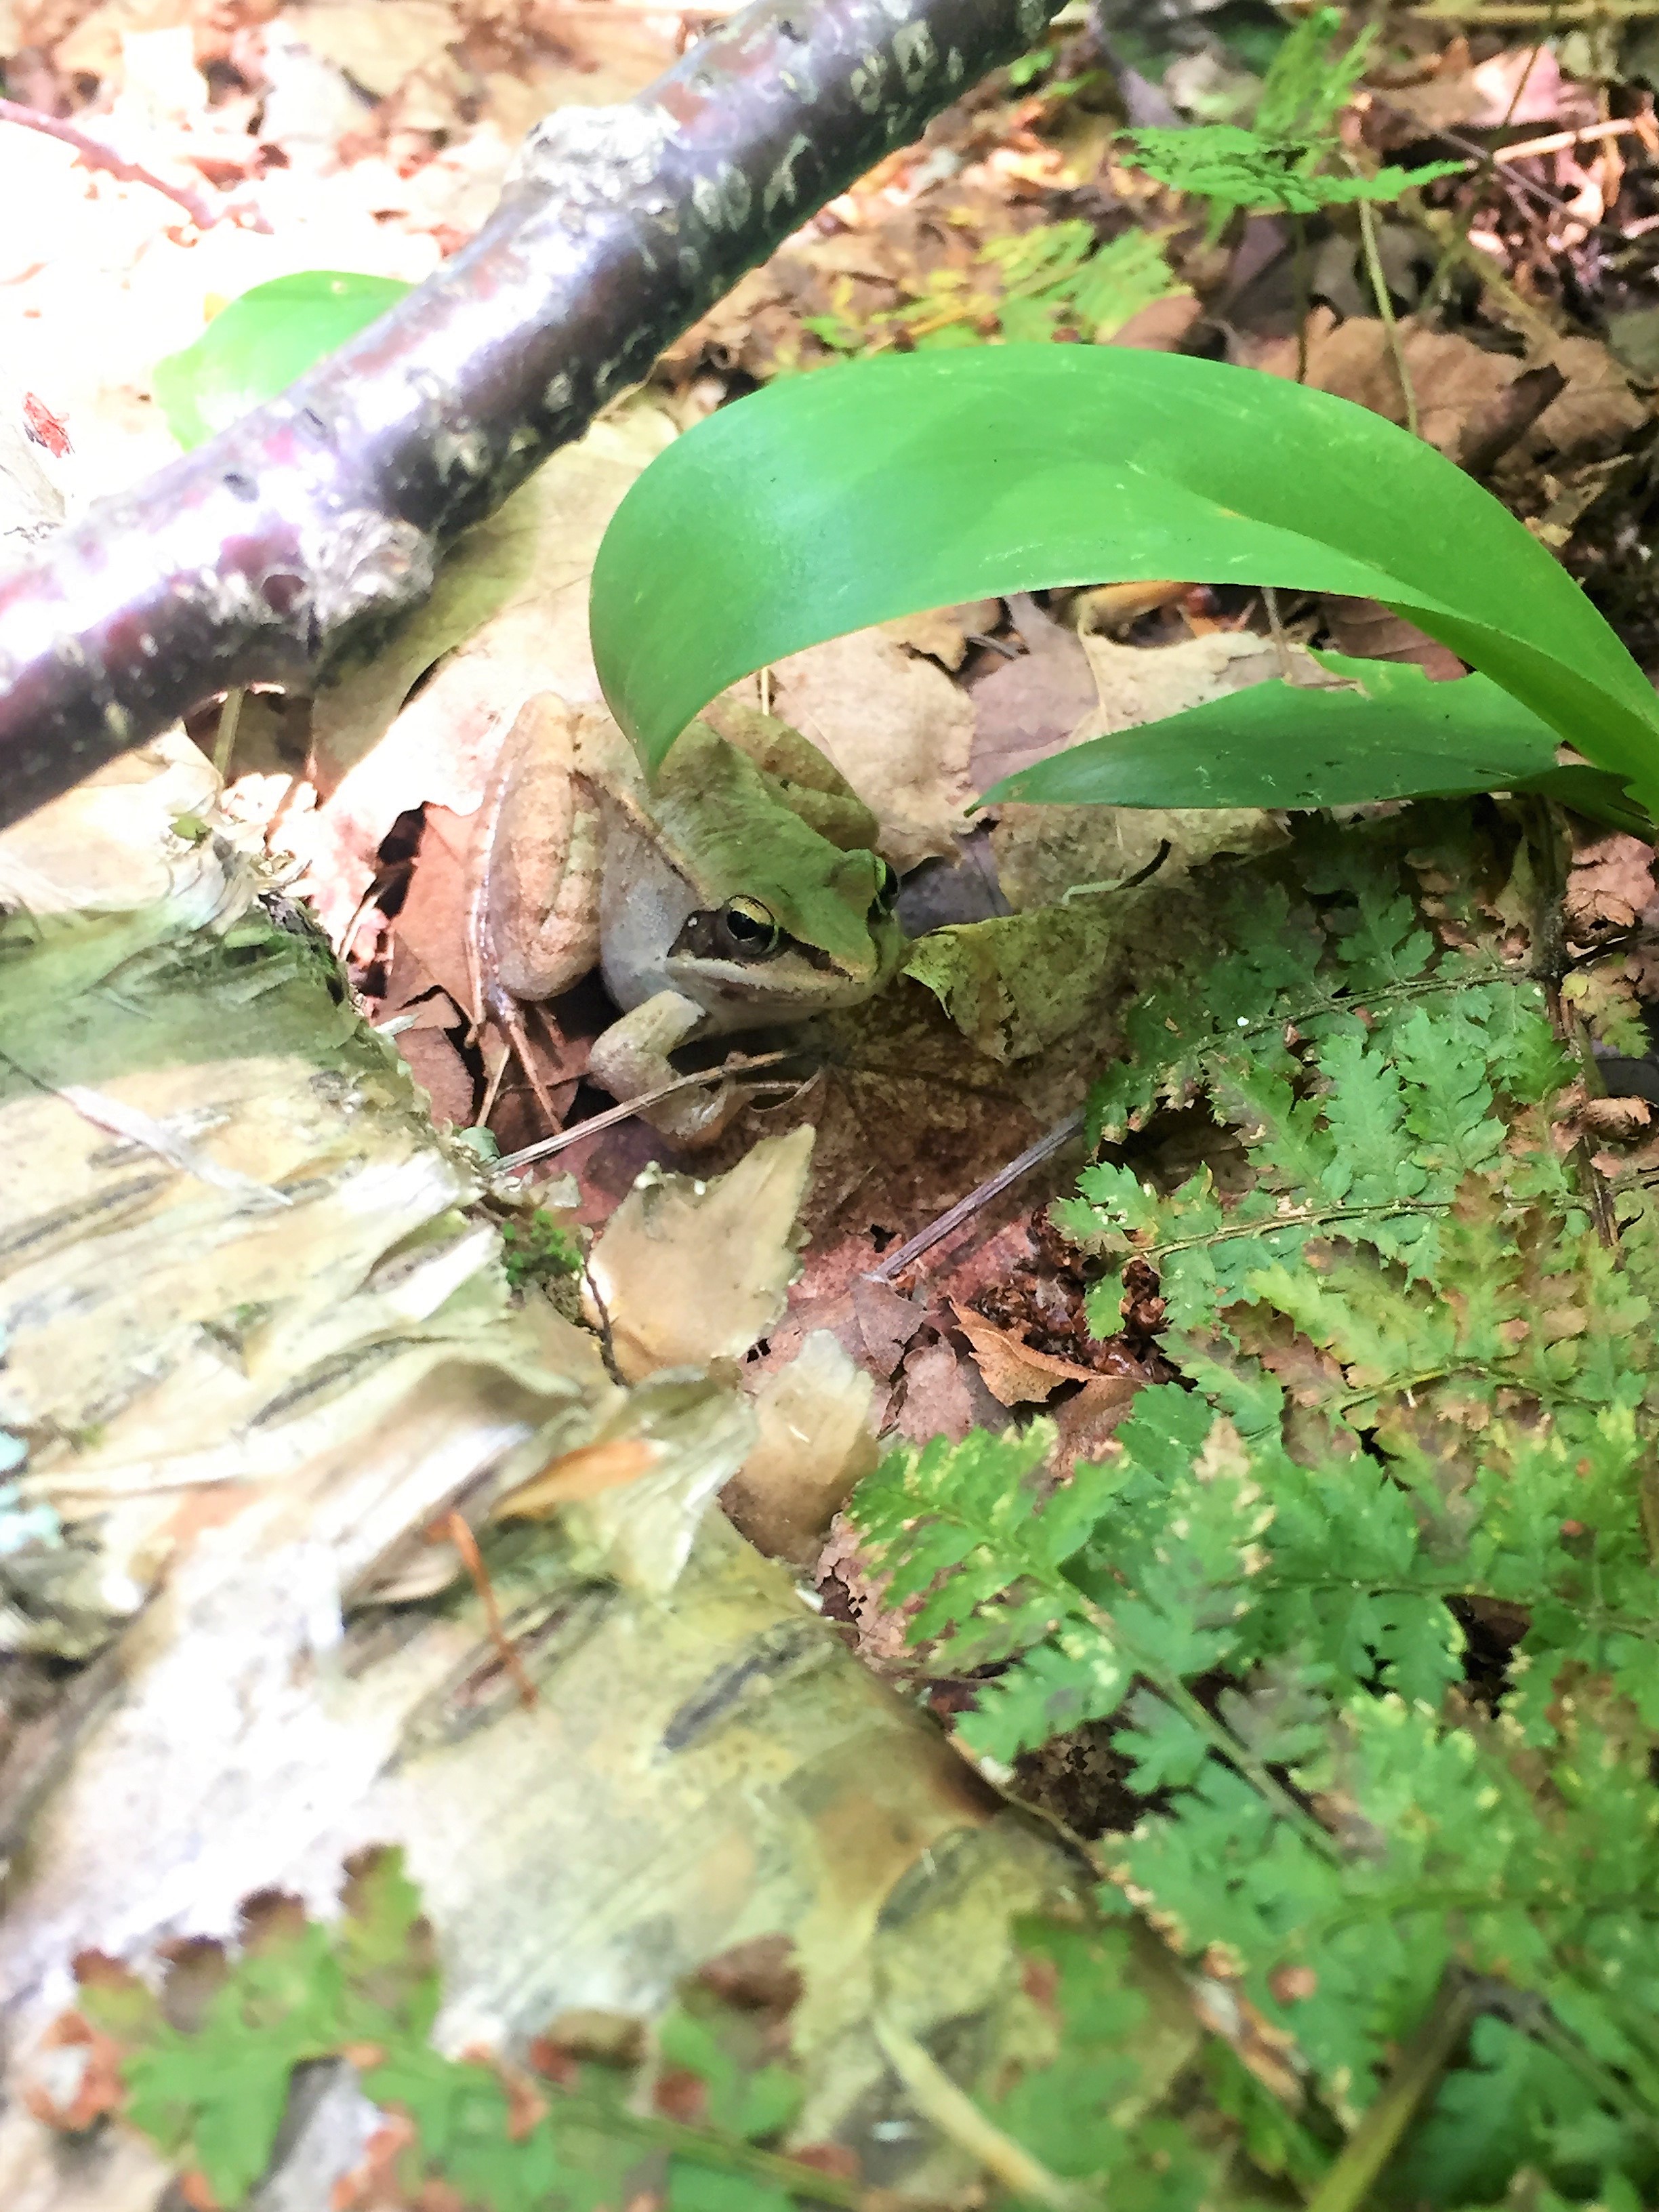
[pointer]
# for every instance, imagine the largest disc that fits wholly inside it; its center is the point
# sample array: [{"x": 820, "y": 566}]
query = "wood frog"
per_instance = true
[{"x": 736, "y": 889}]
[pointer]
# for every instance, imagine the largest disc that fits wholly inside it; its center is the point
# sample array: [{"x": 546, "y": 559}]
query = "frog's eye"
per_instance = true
[
  {"x": 748, "y": 930},
  {"x": 887, "y": 891}
]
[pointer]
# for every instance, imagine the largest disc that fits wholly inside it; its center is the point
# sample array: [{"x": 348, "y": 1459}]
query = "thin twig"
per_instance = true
[
  {"x": 960, "y": 2121},
  {"x": 96, "y": 156},
  {"x": 224, "y": 743},
  {"x": 1557, "y": 142},
  {"x": 544, "y": 1146},
  {"x": 965, "y": 1208},
  {"x": 1482, "y": 15},
  {"x": 454, "y": 1530}
]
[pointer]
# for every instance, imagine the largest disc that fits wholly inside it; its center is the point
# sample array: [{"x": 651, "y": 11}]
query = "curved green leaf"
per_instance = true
[
  {"x": 828, "y": 502},
  {"x": 1389, "y": 733},
  {"x": 261, "y": 342}
]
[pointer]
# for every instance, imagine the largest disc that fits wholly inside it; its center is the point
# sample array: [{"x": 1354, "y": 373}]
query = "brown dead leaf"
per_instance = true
[
  {"x": 853, "y": 1594},
  {"x": 1367, "y": 630},
  {"x": 376, "y": 43},
  {"x": 943, "y": 633},
  {"x": 93, "y": 48},
  {"x": 1137, "y": 683},
  {"x": 1085, "y": 1423},
  {"x": 1013, "y": 1373},
  {"x": 938, "y": 1400},
  {"x": 442, "y": 1074},
  {"x": 1610, "y": 884},
  {"x": 1453, "y": 378},
  {"x": 1113, "y": 606},
  {"x": 1027, "y": 707},
  {"x": 1523, "y": 85},
  {"x": 1161, "y": 324},
  {"x": 434, "y": 923},
  {"x": 886, "y": 1319},
  {"x": 1616, "y": 1120},
  {"x": 1458, "y": 383}
]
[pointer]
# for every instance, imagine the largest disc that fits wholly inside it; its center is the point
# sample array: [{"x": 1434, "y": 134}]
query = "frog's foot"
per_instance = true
[{"x": 632, "y": 1057}]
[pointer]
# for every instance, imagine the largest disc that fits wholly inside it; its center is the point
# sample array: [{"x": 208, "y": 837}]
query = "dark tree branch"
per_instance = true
[{"x": 304, "y": 531}]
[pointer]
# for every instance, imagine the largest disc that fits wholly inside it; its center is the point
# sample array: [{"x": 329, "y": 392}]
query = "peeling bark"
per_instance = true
[{"x": 297, "y": 537}]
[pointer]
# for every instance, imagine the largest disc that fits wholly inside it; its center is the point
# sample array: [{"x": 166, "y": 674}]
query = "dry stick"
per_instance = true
[
  {"x": 224, "y": 743},
  {"x": 455, "y": 1528},
  {"x": 965, "y": 1208},
  {"x": 309, "y": 529},
  {"x": 97, "y": 156},
  {"x": 1558, "y": 141},
  {"x": 1482, "y": 14},
  {"x": 546, "y": 1146}
]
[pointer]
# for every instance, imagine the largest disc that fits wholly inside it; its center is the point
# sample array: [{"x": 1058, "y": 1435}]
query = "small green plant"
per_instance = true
[
  {"x": 202, "y": 2066},
  {"x": 538, "y": 1251},
  {"x": 1283, "y": 161},
  {"x": 1031, "y": 285},
  {"x": 1366, "y": 1601}
]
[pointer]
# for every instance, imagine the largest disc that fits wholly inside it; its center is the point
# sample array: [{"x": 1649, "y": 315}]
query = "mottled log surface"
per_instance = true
[{"x": 297, "y": 537}]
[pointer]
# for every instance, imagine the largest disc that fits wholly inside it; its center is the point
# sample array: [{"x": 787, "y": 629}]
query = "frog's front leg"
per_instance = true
[{"x": 632, "y": 1056}]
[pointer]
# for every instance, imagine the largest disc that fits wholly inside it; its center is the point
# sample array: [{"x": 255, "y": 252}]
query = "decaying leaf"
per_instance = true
[
  {"x": 814, "y": 1443},
  {"x": 1014, "y": 1373},
  {"x": 1014, "y": 985},
  {"x": 377, "y": 43},
  {"x": 686, "y": 1272}
]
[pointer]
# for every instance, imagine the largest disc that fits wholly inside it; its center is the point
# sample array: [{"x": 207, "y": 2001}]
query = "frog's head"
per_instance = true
[{"x": 787, "y": 924}]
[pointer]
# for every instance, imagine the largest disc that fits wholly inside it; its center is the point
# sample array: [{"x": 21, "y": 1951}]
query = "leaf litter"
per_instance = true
[{"x": 384, "y": 130}]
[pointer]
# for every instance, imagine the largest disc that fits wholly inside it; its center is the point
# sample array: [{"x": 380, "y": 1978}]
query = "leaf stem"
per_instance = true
[
  {"x": 1374, "y": 2141},
  {"x": 1385, "y": 309},
  {"x": 1302, "y": 1217}
]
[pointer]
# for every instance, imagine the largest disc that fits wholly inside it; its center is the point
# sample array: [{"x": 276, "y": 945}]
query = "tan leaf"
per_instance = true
[
  {"x": 1015, "y": 1373},
  {"x": 585, "y": 1473},
  {"x": 688, "y": 1271},
  {"x": 378, "y": 43},
  {"x": 814, "y": 1443}
]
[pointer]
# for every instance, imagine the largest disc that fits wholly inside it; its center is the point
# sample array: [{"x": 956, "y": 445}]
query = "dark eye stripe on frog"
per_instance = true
[{"x": 742, "y": 930}]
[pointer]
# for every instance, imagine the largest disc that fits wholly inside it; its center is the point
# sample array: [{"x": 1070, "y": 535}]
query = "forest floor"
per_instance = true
[{"x": 1522, "y": 336}]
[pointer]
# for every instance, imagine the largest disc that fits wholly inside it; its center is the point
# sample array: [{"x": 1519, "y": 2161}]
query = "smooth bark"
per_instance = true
[{"x": 301, "y": 534}]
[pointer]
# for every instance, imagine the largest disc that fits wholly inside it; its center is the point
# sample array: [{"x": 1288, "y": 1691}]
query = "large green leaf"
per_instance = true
[
  {"x": 1389, "y": 733},
  {"x": 261, "y": 342},
  {"x": 828, "y": 502}
]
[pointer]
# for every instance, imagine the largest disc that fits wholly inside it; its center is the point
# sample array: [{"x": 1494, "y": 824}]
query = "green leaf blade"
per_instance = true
[
  {"x": 261, "y": 342},
  {"x": 829, "y": 503}
]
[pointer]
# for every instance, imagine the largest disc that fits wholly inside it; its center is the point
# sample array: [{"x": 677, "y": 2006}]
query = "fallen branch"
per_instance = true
[{"x": 305, "y": 530}]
